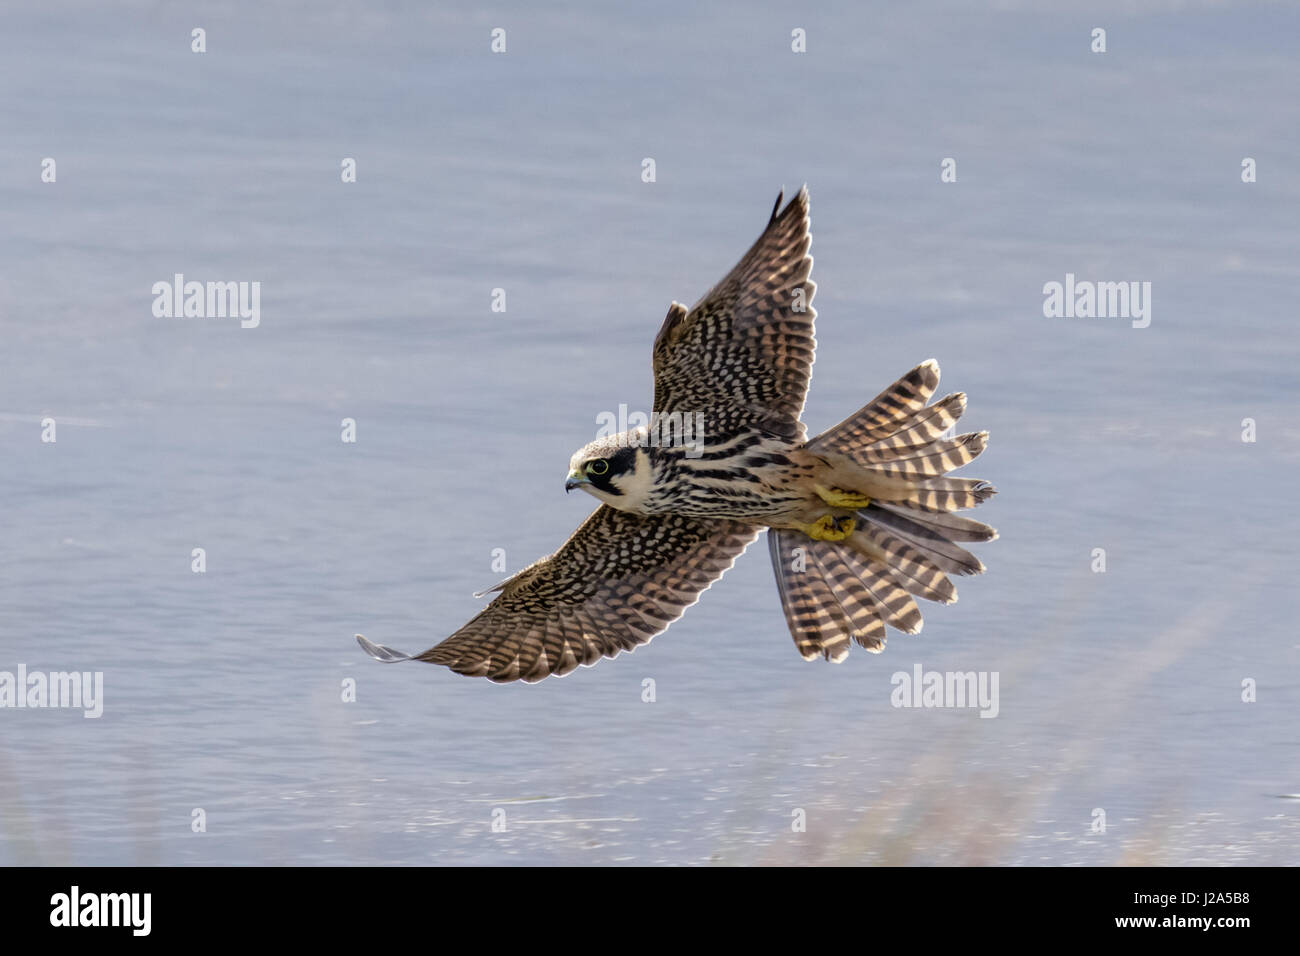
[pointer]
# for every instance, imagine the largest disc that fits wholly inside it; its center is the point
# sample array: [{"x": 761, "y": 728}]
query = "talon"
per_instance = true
[
  {"x": 839, "y": 498},
  {"x": 831, "y": 528}
]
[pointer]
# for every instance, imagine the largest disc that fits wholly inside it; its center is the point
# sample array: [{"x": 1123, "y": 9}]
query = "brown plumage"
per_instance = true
[
  {"x": 618, "y": 581},
  {"x": 859, "y": 517}
]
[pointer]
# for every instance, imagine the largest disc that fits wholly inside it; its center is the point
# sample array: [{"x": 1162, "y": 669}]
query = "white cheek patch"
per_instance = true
[{"x": 634, "y": 485}]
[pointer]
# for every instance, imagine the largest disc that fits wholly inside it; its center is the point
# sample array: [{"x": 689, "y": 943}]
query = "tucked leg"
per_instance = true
[
  {"x": 839, "y": 498},
  {"x": 829, "y": 528}
]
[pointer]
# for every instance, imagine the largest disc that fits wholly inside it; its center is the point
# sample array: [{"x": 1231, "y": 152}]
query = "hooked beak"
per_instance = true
[{"x": 576, "y": 479}]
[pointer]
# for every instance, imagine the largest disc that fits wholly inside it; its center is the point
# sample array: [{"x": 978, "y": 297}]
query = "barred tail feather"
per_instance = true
[
  {"x": 947, "y": 556},
  {"x": 914, "y": 569},
  {"x": 918, "y": 429},
  {"x": 862, "y": 611},
  {"x": 904, "y": 545},
  {"x": 951, "y": 526},
  {"x": 930, "y": 460},
  {"x": 893, "y": 600},
  {"x": 833, "y": 594},
  {"x": 948, "y": 494},
  {"x": 818, "y": 623},
  {"x": 880, "y": 417}
]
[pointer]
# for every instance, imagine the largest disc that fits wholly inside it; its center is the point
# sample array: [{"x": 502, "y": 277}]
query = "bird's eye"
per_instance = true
[{"x": 598, "y": 467}]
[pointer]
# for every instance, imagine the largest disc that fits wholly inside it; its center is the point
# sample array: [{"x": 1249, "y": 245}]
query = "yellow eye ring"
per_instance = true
[{"x": 598, "y": 467}]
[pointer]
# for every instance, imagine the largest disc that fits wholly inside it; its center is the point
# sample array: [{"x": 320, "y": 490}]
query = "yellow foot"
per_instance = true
[
  {"x": 839, "y": 498},
  {"x": 830, "y": 528}
]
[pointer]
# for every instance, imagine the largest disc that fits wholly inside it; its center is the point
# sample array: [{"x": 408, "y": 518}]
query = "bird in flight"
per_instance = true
[{"x": 859, "y": 519}]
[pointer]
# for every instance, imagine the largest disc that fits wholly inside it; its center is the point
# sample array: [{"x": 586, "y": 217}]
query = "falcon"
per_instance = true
[{"x": 860, "y": 519}]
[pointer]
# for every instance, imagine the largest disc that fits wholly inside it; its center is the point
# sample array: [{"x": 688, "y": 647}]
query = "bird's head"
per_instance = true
[{"x": 615, "y": 469}]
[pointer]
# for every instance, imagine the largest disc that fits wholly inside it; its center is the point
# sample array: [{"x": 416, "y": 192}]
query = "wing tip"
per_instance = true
[
  {"x": 800, "y": 202},
  {"x": 381, "y": 653},
  {"x": 776, "y": 206}
]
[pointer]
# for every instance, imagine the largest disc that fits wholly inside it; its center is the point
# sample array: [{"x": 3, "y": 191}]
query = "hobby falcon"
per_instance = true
[{"x": 859, "y": 519}]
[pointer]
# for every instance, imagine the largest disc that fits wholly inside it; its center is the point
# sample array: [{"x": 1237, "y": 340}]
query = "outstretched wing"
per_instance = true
[
  {"x": 743, "y": 354},
  {"x": 618, "y": 581}
]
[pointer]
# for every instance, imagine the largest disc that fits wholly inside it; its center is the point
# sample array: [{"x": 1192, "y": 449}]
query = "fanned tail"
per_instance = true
[
  {"x": 834, "y": 595},
  {"x": 905, "y": 540}
]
